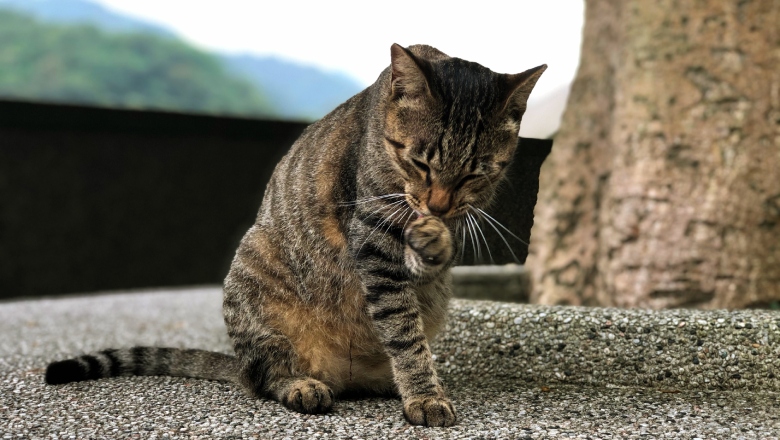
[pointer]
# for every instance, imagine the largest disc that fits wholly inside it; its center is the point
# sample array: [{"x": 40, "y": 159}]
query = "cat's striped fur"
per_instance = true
[{"x": 343, "y": 279}]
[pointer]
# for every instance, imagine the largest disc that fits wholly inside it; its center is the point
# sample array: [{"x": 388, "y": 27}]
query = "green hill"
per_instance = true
[{"x": 82, "y": 64}]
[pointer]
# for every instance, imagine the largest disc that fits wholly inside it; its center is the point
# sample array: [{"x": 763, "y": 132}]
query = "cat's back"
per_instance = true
[
  {"x": 315, "y": 173},
  {"x": 300, "y": 232},
  {"x": 293, "y": 265}
]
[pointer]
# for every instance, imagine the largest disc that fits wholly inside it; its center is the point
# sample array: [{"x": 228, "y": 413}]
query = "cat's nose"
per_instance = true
[{"x": 439, "y": 201}]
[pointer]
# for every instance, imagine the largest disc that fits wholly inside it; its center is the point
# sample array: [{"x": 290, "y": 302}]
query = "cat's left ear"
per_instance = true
[
  {"x": 518, "y": 87},
  {"x": 409, "y": 74}
]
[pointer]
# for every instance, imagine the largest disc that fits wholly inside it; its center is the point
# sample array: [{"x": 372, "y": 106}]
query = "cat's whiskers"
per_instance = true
[
  {"x": 373, "y": 199},
  {"x": 400, "y": 217},
  {"x": 384, "y": 207},
  {"x": 464, "y": 226},
  {"x": 463, "y": 238},
  {"x": 488, "y": 217},
  {"x": 385, "y": 220},
  {"x": 493, "y": 222},
  {"x": 471, "y": 235},
  {"x": 408, "y": 217},
  {"x": 479, "y": 228},
  {"x": 390, "y": 219},
  {"x": 476, "y": 238}
]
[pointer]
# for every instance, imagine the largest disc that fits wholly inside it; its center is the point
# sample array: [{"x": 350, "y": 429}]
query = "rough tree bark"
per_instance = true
[{"x": 663, "y": 188}]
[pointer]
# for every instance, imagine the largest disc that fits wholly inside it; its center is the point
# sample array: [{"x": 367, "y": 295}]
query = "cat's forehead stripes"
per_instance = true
[{"x": 467, "y": 92}]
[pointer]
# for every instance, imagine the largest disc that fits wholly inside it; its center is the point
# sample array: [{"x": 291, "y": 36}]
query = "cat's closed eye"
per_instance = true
[
  {"x": 467, "y": 179},
  {"x": 424, "y": 169},
  {"x": 422, "y": 166},
  {"x": 396, "y": 144}
]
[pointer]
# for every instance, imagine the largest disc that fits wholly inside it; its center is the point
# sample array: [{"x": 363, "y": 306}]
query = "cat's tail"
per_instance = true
[{"x": 145, "y": 361}]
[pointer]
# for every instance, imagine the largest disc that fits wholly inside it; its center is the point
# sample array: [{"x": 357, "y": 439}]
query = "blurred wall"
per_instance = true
[{"x": 94, "y": 199}]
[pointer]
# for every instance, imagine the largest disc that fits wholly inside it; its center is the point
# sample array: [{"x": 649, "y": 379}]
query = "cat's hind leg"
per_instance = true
[
  {"x": 303, "y": 394},
  {"x": 270, "y": 368},
  {"x": 269, "y": 364}
]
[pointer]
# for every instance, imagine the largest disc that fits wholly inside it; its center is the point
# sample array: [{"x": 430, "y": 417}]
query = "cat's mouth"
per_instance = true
[{"x": 449, "y": 214}]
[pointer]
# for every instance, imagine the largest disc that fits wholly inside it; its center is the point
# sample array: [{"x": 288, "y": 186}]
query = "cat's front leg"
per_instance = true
[
  {"x": 397, "y": 318},
  {"x": 391, "y": 286},
  {"x": 429, "y": 249}
]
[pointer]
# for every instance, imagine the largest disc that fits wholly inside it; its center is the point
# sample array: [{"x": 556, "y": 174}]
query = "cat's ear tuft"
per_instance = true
[
  {"x": 409, "y": 76},
  {"x": 518, "y": 87}
]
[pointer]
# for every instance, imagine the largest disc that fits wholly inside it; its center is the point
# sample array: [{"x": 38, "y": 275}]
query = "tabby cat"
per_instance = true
[{"x": 343, "y": 279}]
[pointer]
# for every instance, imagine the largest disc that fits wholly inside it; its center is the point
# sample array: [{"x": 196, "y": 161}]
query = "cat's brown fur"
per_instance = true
[{"x": 343, "y": 279}]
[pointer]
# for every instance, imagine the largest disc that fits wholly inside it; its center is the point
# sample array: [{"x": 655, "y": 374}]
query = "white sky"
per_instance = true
[{"x": 355, "y": 36}]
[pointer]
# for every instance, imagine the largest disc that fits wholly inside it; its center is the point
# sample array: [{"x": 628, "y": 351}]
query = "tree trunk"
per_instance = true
[{"x": 663, "y": 188}]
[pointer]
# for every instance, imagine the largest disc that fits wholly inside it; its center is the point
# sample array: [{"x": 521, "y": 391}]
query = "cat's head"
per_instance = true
[{"x": 451, "y": 128}]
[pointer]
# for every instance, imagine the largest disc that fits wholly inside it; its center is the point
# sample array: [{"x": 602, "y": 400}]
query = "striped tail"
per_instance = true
[{"x": 144, "y": 361}]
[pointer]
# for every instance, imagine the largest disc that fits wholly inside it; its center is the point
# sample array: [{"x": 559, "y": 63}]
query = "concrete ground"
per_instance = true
[{"x": 514, "y": 371}]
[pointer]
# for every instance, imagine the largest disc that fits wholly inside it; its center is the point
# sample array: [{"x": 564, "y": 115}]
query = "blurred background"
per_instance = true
[
  {"x": 279, "y": 60},
  {"x": 136, "y": 137}
]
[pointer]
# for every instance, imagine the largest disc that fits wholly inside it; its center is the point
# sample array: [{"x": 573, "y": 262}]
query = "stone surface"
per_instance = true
[{"x": 514, "y": 371}]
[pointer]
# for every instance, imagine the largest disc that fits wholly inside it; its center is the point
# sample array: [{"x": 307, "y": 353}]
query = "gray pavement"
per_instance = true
[{"x": 514, "y": 371}]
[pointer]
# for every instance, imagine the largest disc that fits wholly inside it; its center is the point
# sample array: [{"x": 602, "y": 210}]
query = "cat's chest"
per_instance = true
[{"x": 433, "y": 299}]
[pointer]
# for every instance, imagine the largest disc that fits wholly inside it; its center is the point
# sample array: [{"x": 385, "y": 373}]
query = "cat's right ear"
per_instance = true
[
  {"x": 409, "y": 77},
  {"x": 517, "y": 89}
]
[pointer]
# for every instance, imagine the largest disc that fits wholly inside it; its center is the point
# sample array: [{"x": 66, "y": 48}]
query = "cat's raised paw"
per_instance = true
[
  {"x": 430, "y": 239},
  {"x": 429, "y": 411},
  {"x": 309, "y": 396}
]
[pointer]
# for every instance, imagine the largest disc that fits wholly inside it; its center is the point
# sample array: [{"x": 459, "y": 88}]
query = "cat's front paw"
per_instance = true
[
  {"x": 429, "y": 411},
  {"x": 428, "y": 244}
]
